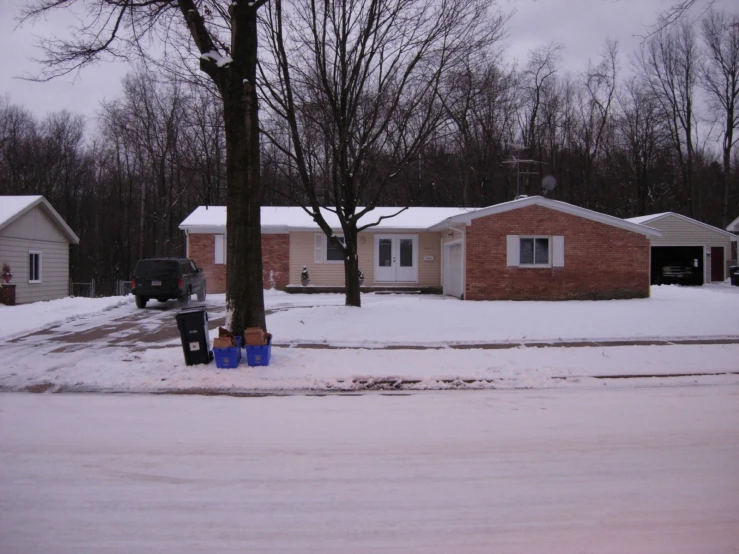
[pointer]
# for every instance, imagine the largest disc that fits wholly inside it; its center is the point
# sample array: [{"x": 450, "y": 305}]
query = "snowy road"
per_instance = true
[{"x": 646, "y": 470}]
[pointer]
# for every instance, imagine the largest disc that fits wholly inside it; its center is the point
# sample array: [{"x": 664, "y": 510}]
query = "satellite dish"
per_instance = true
[{"x": 548, "y": 183}]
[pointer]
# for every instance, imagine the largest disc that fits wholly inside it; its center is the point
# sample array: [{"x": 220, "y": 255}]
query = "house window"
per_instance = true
[
  {"x": 534, "y": 251},
  {"x": 333, "y": 254},
  {"x": 34, "y": 266},
  {"x": 325, "y": 251}
]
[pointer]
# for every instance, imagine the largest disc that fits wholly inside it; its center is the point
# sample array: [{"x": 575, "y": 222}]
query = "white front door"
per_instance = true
[
  {"x": 453, "y": 270},
  {"x": 396, "y": 258}
]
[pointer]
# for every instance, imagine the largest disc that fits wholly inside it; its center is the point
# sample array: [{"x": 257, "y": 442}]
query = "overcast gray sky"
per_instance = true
[{"x": 580, "y": 26}]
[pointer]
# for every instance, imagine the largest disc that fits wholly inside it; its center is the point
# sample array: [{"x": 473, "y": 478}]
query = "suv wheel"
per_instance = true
[
  {"x": 201, "y": 294},
  {"x": 141, "y": 301}
]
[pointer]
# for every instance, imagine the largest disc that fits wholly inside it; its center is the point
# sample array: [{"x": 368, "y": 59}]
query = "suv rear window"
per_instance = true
[{"x": 157, "y": 269}]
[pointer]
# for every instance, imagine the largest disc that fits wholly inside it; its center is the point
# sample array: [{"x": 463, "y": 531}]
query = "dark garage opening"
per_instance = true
[{"x": 677, "y": 265}]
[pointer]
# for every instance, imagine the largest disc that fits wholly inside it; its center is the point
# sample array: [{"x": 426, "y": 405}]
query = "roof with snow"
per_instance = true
[
  {"x": 642, "y": 219},
  {"x": 13, "y": 207},
  {"x": 276, "y": 219},
  {"x": 295, "y": 218},
  {"x": 647, "y": 219},
  {"x": 553, "y": 205},
  {"x": 733, "y": 227}
]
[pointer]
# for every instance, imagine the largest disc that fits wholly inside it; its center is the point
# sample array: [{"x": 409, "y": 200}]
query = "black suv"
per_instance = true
[{"x": 165, "y": 278}]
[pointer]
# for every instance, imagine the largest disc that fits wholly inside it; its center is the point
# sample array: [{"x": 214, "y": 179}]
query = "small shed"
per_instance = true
[
  {"x": 689, "y": 251},
  {"x": 34, "y": 241}
]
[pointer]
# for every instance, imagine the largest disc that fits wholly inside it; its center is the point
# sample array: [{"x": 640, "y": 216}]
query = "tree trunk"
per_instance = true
[
  {"x": 244, "y": 286},
  {"x": 351, "y": 270}
]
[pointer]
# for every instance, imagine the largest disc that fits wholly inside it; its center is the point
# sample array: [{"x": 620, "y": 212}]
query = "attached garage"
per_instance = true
[
  {"x": 689, "y": 252},
  {"x": 677, "y": 265}
]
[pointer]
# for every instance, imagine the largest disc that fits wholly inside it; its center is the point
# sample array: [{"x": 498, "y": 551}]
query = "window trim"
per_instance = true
[
  {"x": 39, "y": 267},
  {"x": 549, "y": 250}
]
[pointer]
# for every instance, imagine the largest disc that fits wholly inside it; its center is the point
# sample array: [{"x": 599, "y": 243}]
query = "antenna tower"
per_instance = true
[{"x": 527, "y": 164}]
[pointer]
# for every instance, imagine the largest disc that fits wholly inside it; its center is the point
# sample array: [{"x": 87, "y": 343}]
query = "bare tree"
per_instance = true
[
  {"x": 479, "y": 105},
  {"x": 225, "y": 40},
  {"x": 643, "y": 136},
  {"x": 354, "y": 88},
  {"x": 600, "y": 87},
  {"x": 720, "y": 78},
  {"x": 540, "y": 69},
  {"x": 668, "y": 65}
]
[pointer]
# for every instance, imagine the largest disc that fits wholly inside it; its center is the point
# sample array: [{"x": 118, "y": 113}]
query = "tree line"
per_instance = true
[{"x": 657, "y": 137}]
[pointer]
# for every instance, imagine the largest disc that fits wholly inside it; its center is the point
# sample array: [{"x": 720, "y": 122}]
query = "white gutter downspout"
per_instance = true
[{"x": 442, "y": 261}]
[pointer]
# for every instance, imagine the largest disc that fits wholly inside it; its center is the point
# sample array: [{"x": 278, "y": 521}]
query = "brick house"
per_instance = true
[{"x": 532, "y": 248}]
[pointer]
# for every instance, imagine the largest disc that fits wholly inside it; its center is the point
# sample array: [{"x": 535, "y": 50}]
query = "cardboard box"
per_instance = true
[
  {"x": 254, "y": 336},
  {"x": 224, "y": 342}
]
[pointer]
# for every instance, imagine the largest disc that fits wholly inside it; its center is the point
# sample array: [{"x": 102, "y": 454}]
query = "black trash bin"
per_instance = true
[
  {"x": 734, "y": 272},
  {"x": 193, "y": 326}
]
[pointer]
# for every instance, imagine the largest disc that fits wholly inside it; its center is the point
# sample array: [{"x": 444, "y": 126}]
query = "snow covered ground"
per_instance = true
[
  {"x": 417, "y": 342},
  {"x": 638, "y": 471},
  {"x": 671, "y": 312},
  {"x": 15, "y": 320}
]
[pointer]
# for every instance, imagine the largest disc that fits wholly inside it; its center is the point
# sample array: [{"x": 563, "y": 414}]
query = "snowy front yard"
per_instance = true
[
  {"x": 420, "y": 342},
  {"x": 671, "y": 313}
]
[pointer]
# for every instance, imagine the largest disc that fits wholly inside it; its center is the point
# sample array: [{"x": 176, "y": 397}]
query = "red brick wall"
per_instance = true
[
  {"x": 601, "y": 261},
  {"x": 202, "y": 249},
  {"x": 275, "y": 261}
]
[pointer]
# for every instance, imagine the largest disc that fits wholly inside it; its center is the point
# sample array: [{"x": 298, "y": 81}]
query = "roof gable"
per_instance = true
[
  {"x": 646, "y": 219},
  {"x": 733, "y": 226},
  {"x": 563, "y": 207},
  {"x": 13, "y": 207}
]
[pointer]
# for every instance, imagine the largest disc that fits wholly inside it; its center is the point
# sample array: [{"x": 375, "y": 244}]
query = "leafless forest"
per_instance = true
[{"x": 629, "y": 135}]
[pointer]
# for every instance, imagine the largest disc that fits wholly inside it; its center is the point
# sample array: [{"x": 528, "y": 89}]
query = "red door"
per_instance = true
[{"x": 717, "y": 263}]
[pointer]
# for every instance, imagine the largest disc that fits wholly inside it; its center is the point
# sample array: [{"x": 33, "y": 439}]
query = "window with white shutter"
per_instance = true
[
  {"x": 535, "y": 251},
  {"x": 333, "y": 254}
]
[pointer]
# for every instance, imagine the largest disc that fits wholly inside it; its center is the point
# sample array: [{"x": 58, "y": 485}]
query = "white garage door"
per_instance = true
[{"x": 453, "y": 270}]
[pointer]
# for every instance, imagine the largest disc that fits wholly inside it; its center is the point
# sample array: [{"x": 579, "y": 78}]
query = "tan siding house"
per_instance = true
[
  {"x": 685, "y": 242},
  {"x": 34, "y": 241}
]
